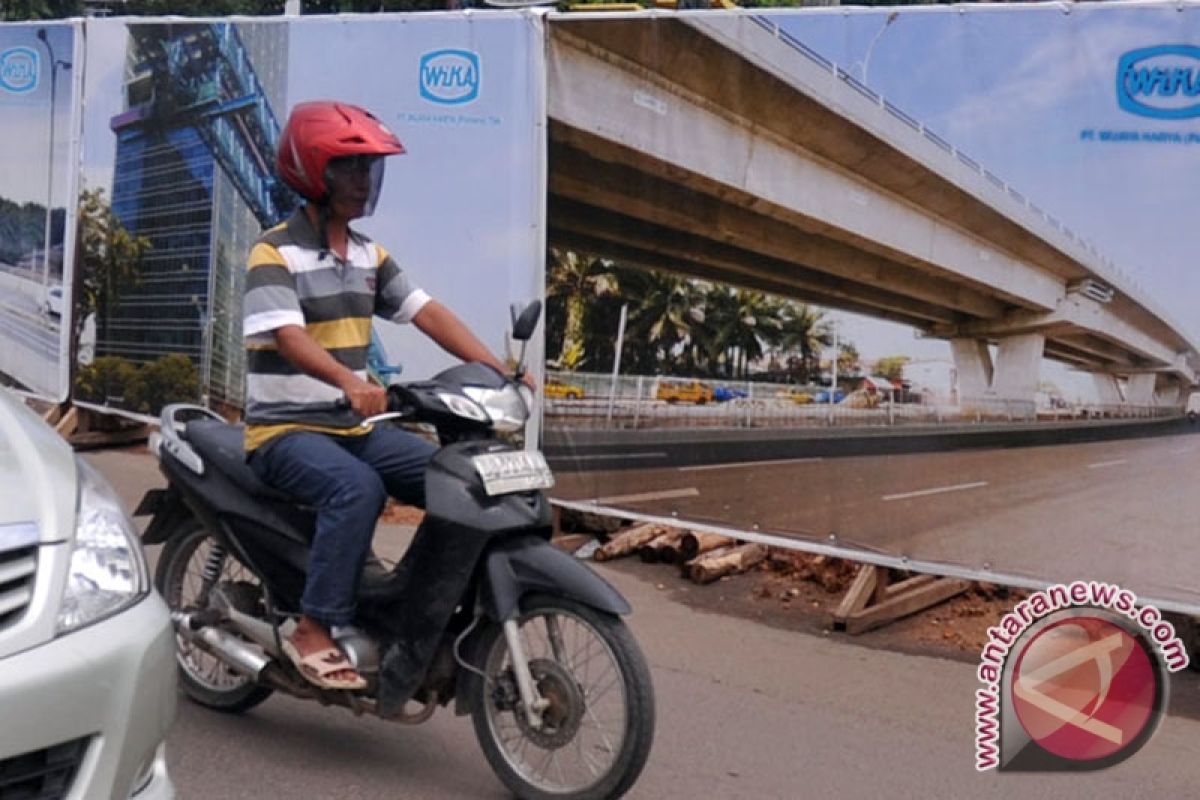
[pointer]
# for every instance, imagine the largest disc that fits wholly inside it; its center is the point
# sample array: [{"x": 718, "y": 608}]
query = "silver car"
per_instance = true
[{"x": 87, "y": 654}]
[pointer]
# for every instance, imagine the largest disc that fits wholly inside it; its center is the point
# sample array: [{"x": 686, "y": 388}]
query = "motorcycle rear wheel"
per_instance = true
[
  {"x": 204, "y": 678},
  {"x": 597, "y": 732}
]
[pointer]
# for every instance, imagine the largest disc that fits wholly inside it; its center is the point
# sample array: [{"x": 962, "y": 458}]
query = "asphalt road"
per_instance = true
[
  {"x": 1122, "y": 511},
  {"x": 744, "y": 711}
]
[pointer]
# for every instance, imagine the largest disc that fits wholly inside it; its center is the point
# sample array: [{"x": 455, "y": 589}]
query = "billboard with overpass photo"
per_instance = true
[{"x": 927, "y": 272}]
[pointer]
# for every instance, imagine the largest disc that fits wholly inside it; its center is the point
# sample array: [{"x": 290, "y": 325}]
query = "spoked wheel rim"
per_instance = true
[
  {"x": 183, "y": 594},
  {"x": 577, "y": 671}
]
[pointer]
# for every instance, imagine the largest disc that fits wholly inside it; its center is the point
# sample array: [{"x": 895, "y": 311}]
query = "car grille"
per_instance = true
[
  {"x": 43, "y": 774},
  {"x": 17, "y": 570}
]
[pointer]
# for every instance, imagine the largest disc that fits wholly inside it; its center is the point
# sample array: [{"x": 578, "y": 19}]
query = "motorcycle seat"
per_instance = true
[{"x": 222, "y": 446}]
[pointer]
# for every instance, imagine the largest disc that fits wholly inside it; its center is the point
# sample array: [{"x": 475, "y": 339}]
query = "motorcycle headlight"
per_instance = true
[
  {"x": 108, "y": 569},
  {"x": 506, "y": 407}
]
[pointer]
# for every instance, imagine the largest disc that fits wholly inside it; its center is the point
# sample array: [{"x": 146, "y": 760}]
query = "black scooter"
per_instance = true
[{"x": 481, "y": 610}]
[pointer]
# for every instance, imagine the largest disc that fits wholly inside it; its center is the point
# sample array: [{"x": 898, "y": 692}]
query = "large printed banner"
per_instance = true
[
  {"x": 793, "y": 260},
  {"x": 40, "y": 69},
  {"x": 840, "y": 244},
  {"x": 182, "y": 123}
]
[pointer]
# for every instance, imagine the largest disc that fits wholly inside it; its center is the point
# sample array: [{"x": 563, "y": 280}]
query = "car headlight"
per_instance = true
[
  {"x": 506, "y": 407},
  {"x": 108, "y": 569}
]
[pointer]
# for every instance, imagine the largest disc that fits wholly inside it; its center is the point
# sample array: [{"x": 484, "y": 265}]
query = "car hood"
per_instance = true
[{"x": 37, "y": 475}]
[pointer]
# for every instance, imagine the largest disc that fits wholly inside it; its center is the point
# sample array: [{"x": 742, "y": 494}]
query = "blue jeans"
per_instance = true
[{"x": 347, "y": 479}]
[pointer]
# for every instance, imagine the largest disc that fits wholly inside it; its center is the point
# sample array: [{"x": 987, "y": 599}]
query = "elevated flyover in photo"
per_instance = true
[{"x": 717, "y": 146}]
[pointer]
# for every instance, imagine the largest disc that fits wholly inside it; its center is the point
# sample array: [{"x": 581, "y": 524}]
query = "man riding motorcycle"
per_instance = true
[{"x": 312, "y": 287}]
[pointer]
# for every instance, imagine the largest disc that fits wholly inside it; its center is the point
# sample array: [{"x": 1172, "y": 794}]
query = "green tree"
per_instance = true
[
  {"x": 573, "y": 280},
  {"x": 40, "y": 9},
  {"x": 803, "y": 333},
  {"x": 107, "y": 379},
  {"x": 891, "y": 367},
  {"x": 739, "y": 325},
  {"x": 667, "y": 311},
  {"x": 171, "y": 378},
  {"x": 108, "y": 262},
  {"x": 848, "y": 359}
]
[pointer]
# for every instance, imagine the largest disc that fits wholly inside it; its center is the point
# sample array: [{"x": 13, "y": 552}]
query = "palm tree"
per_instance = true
[
  {"x": 804, "y": 331},
  {"x": 760, "y": 324},
  {"x": 572, "y": 279},
  {"x": 740, "y": 325},
  {"x": 667, "y": 311},
  {"x": 848, "y": 359}
]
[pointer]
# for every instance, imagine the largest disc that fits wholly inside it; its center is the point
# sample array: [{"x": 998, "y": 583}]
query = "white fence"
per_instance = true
[{"x": 590, "y": 400}]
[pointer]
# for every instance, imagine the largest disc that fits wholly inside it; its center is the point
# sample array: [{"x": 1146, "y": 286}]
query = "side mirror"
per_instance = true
[{"x": 524, "y": 322}]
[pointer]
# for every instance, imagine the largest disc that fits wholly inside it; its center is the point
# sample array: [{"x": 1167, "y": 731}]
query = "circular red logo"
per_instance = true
[{"x": 1084, "y": 688}]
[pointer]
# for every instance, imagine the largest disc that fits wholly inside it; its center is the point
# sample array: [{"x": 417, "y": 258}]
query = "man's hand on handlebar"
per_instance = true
[{"x": 366, "y": 398}]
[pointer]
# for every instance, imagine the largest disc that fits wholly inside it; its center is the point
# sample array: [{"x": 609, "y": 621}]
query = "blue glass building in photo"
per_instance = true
[{"x": 194, "y": 175}]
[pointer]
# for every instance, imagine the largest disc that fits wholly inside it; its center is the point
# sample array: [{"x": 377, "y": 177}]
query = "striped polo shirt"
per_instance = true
[{"x": 291, "y": 281}]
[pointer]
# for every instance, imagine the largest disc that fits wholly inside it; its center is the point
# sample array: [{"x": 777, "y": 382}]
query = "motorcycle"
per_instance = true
[{"x": 481, "y": 610}]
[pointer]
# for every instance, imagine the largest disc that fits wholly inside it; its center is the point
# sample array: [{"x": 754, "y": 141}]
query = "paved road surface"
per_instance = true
[
  {"x": 745, "y": 711},
  {"x": 1123, "y": 511}
]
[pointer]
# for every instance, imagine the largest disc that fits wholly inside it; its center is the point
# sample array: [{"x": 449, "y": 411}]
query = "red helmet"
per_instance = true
[{"x": 322, "y": 130}]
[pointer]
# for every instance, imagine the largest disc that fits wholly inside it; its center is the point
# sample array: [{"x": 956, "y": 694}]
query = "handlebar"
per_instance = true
[
  {"x": 397, "y": 404},
  {"x": 369, "y": 421}
]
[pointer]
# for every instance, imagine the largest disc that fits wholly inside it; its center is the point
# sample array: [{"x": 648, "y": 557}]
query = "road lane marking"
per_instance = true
[
  {"x": 1179, "y": 451},
  {"x": 749, "y": 464},
  {"x": 939, "y": 490},
  {"x": 603, "y": 456},
  {"x": 1100, "y": 464},
  {"x": 667, "y": 494}
]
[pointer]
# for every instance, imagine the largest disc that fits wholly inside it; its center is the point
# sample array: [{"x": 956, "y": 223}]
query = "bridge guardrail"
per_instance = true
[{"x": 871, "y": 95}]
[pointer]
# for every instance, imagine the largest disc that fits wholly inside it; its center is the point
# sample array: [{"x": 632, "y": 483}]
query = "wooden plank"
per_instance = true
[
  {"x": 133, "y": 435},
  {"x": 53, "y": 415},
  {"x": 915, "y": 582},
  {"x": 68, "y": 423},
  {"x": 857, "y": 596},
  {"x": 908, "y": 602}
]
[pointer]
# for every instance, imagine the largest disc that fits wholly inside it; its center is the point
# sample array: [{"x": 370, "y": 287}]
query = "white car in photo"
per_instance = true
[
  {"x": 53, "y": 304},
  {"x": 87, "y": 653}
]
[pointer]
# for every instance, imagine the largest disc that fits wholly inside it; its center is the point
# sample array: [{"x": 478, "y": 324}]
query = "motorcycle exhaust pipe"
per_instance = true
[
  {"x": 227, "y": 647},
  {"x": 254, "y": 629}
]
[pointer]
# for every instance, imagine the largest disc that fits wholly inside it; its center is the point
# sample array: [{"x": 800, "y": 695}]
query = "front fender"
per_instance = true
[
  {"x": 512, "y": 571},
  {"x": 528, "y": 564}
]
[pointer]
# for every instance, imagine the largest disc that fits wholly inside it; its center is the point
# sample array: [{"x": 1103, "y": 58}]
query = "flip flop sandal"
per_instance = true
[{"x": 319, "y": 667}]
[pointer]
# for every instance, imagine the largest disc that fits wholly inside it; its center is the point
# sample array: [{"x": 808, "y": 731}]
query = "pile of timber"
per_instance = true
[{"x": 702, "y": 557}]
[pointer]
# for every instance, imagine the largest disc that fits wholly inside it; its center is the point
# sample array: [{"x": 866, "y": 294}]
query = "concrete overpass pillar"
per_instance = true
[
  {"x": 1019, "y": 367},
  {"x": 1139, "y": 389},
  {"x": 974, "y": 365},
  {"x": 1108, "y": 389},
  {"x": 1170, "y": 392}
]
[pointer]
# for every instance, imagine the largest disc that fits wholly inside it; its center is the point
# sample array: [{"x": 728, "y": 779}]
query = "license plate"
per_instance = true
[{"x": 513, "y": 471}]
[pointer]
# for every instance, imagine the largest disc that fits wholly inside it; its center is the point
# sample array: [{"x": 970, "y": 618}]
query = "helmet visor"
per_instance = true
[{"x": 355, "y": 181}]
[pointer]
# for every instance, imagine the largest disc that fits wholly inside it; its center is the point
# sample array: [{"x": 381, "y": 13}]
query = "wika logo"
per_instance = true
[
  {"x": 1161, "y": 82},
  {"x": 18, "y": 70},
  {"x": 450, "y": 77}
]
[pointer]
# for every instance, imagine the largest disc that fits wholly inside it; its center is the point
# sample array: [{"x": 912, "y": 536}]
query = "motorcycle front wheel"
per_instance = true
[{"x": 596, "y": 731}]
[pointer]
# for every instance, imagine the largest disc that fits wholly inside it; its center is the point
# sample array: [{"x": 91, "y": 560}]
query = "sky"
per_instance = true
[{"x": 1015, "y": 87}]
